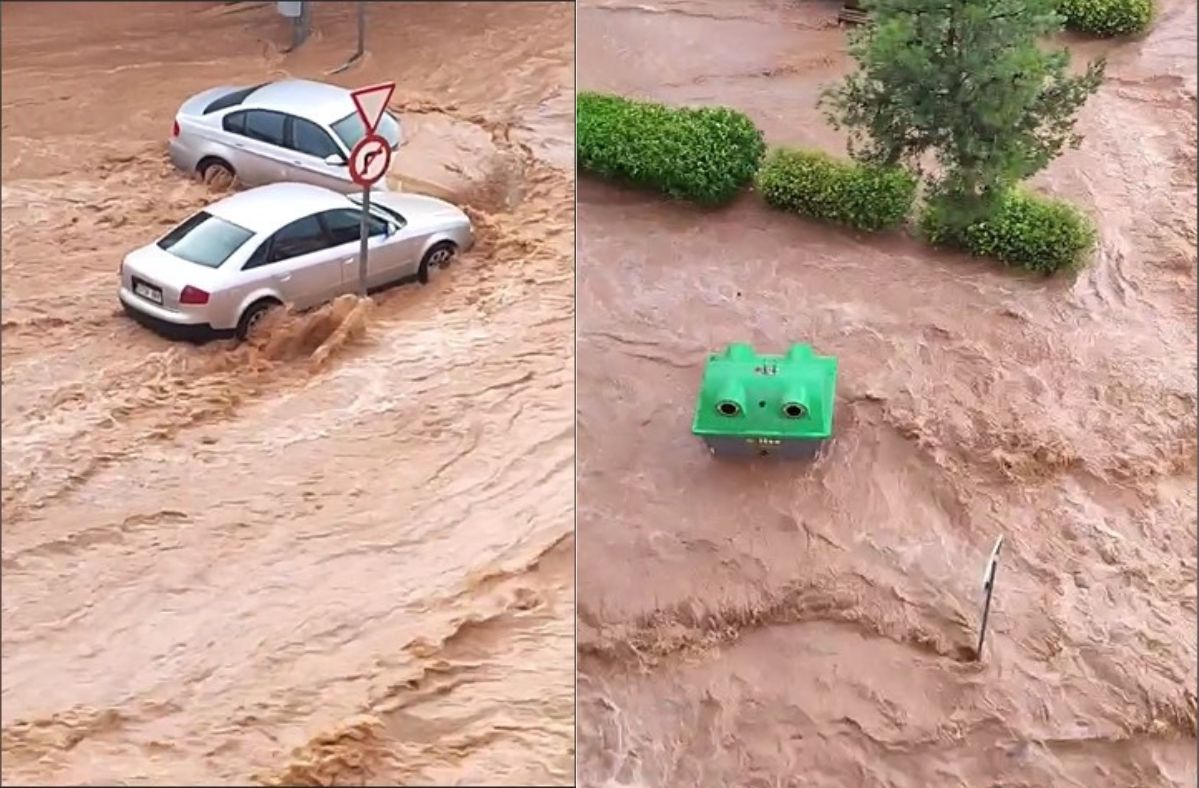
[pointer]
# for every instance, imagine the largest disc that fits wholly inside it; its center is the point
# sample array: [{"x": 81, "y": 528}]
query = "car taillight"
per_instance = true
[
  {"x": 175, "y": 128},
  {"x": 193, "y": 295}
]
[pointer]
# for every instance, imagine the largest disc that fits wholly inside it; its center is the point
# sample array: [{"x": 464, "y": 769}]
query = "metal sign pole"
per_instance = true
[
  {"x": 361, "y": 28},
  {"x": 989, "y": 588},
  {"x": 371, "y": 103},
  {"x": 362, "y": 247}
]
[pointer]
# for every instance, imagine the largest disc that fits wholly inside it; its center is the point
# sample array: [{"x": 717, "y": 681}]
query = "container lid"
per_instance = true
[{"x": 748, "y": 395}]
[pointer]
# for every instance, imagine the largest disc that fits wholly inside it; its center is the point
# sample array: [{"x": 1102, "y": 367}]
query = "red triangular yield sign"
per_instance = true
[{"x": 371, "y": 101}]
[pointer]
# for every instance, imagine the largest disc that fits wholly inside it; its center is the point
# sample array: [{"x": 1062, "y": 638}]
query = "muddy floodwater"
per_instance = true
[
  {"x": 343, "y": 555},
  {"x": 777, "y": 625}
]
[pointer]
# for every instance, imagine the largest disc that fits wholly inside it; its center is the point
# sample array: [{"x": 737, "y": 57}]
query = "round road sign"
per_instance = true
[{"x": 369, "y": 160}]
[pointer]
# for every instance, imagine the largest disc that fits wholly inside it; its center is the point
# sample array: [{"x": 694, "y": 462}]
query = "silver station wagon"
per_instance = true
[
  {"x": 291, "y": 130},
  {"x": 286, "y": 243}
]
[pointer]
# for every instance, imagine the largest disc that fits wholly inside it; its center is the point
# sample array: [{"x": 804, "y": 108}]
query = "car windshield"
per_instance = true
[
  {"x": 351, "y": 129},
  {"x": 381, "y": 211},
  {"x": 205, "y": 240}
]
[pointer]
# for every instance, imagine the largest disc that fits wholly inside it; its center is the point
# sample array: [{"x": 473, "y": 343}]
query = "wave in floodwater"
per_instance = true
[
  {"x": 340, "y": 553},
  {"x": 313, "y": 336},
  {"x": 817, "y": 625}
]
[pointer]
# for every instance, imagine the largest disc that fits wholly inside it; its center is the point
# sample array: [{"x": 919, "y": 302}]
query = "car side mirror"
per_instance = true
[{"x": 334, "y": 160}]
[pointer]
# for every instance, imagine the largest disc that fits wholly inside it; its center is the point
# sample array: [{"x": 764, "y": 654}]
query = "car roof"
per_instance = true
[
  {"x": 265, "y": 209},
  {"x": 313, "y": 100}
]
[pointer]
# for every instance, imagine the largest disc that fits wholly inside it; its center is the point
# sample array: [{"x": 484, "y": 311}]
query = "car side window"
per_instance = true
[
  {"x": 265, "y": 126},
  {"x": 309, "y": 138},
  {"x": 302, "y": 236},
  {"x": 234, "y": 122},
  {"x": 259, "y": 256},
  {"x": 344, "y": 223}
]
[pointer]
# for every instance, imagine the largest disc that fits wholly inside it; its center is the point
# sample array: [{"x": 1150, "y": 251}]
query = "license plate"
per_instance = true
[{"x": 147, "y": 292}]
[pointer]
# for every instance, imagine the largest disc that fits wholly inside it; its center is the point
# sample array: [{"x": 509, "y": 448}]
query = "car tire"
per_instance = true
[
  {"x": 213, "y": 170},
  {"x": 253, "y": 315},
  {"x": 440, "y": 255}
]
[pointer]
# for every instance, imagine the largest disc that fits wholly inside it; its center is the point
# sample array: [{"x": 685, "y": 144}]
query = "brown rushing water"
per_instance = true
[
  {"x": 345, "y": 556},
  {"x": 767, "y": 625}
]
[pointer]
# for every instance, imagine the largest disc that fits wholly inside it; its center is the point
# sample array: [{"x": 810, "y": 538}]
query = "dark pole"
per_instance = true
[
  {"x": 300, "y": 26},
  {"x": 361, "y": 28},
  {"x": 361, "y": 40},
  {"x": 982, "y": 630},
  {"x": 989, "y": 589}
]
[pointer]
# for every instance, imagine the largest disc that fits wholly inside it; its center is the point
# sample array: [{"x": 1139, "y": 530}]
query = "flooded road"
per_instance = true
[
  {"x": 773, "y": 625},
  {"x": 344, "y": 555}
]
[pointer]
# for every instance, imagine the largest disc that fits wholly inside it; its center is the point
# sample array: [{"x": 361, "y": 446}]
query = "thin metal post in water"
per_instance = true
[
  {"x": 361, "y": 28},
  {"x": 362, "y": 248},
  {"x": 301, "y": 25},
  {"x": 361, "y": 40},
  {"x": 989, "y": 589},
  {"x": 298, "y": 12}
]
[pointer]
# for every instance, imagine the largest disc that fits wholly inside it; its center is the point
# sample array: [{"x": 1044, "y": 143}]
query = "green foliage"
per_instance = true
[
  {"x": 1020, "y": 229},
  {"x": 1107, "y": 17},
  {"x": 967, "y": 81},
  {"x": 701, "y": 154},
  {"x": 810, "y": 183}
]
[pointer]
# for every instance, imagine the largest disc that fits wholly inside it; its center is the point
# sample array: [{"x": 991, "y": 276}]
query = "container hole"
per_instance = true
[
  {"x": 793, "y": 410},
  {"x": 728, "y": 408},
  {"x": 761, "y": 403}
]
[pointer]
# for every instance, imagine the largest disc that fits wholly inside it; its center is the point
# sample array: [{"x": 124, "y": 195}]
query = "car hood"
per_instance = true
[{"x": 418, "y": 207}]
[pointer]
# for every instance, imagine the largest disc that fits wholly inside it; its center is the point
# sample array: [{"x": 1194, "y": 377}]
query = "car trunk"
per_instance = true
[{"x": 150, "y": 271}]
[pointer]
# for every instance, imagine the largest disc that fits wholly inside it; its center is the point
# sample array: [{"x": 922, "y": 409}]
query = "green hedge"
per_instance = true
[
  {"x": 1023, "y": 230},
  {"x": 1107, "y": 17},
  {"x": 705, "y": 155},
  {"x": 814, "y": 184}
]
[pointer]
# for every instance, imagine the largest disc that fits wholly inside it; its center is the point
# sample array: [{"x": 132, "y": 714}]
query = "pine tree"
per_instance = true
[{"x": 968, "y": 82}]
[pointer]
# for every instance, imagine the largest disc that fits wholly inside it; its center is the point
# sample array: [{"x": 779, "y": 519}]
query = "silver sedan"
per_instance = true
[
  {"x": 286, "y": 243},
  {"x": 291, "y": 130}
]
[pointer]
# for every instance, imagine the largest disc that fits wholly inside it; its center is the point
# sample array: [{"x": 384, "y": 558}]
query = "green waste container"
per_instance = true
[{"x": 762, "y": 405}]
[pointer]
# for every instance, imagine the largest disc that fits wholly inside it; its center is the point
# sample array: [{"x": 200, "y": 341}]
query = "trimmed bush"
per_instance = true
[
  {"x": 1023, "y": 230},
  {"x": 702, "y": 154},
  {"x": 814, "y": 184},
  {"x": 1107, "y": 17}
]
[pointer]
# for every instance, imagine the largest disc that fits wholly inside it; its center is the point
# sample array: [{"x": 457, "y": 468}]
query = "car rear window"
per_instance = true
[
  {"x": 231, "y": 99},
  {"x": 351, "y": 129},
  {"x": 205, "y": 240}
]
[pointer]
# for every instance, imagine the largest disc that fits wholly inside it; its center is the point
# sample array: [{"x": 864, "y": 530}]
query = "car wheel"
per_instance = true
[
  {"x": 440, "y": 255},
  {"x": 215, "y": 172},
  {"x": 252, "y": 317}
]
